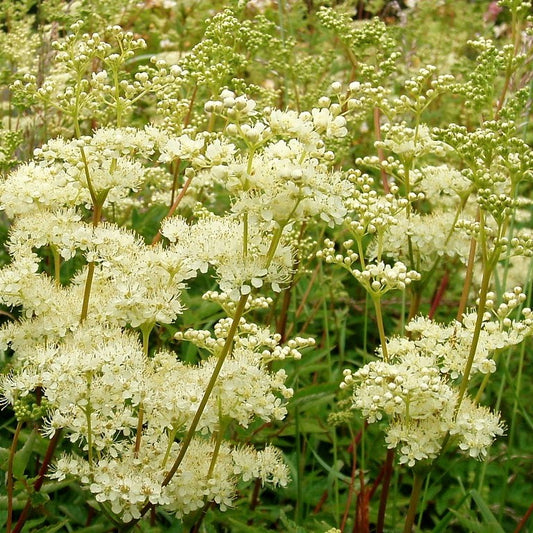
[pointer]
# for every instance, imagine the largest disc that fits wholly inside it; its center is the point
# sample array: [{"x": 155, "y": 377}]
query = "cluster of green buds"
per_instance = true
[{"x": 29, "y": 408}]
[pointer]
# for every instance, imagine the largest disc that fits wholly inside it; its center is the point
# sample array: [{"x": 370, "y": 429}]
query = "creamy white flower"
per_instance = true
[{"x": 220, "y": 242}]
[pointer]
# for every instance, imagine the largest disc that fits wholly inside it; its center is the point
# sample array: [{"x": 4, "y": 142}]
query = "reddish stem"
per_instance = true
[
  {"x": 10, "y": 477},
  {"x": 321, "y": 502},
  {"x": 361, "y": 524},
  {"x": 525, "y": 518},
  {"x": 174, "y": 206},
  {"x": 387, "y": 475},
  {"x": 39, "y": 481},
  {"x": 439, "y": 294},
  {"x": 352, "y": 485}
]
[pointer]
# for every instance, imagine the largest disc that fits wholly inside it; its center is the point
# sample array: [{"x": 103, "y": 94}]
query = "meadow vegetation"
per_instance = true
[{"x": 266, "y": 266}]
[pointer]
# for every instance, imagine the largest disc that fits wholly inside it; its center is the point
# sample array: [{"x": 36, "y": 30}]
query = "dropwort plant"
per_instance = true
[{"x": 266, "y": 266}]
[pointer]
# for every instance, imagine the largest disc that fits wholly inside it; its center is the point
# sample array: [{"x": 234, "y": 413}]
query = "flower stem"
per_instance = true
[
  {"x": 210, "y": 386},
  {"x": 138, "y": 436},
  {"x": 381, "y": 328},
  {"x": 175, "y": 205},
  {"x": 381, "y": 155},
  {"x": 418, "y": 481},
  {"x": 387, "y": 475},
  {"x": 57, "y": 266},
  {"x": 87, "y": 291},
  {"x": 274, "y": 245},
  {"x": 487, "y": 271},
  {"x": 98, "y": 203}
]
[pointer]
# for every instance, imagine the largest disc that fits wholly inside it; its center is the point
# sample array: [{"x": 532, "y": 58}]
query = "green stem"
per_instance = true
[
  {"x": 414, "y": 302},
  {"x": 138, "y": 436},
  {"x": 171, "y": 437},
  {"x": 216, "y": 450},
  {"x": 468, "y": 276},
  {"x": 9, "y": 475},
  {"x": 487, "y": 271},
  {"x": 361, "y": 252},
  {"x": 509, "y": 68},
  {"x": 175, "y": 172},
  {"x": 376, "y": 300},
  {"x": 98, "y": 203},
  {"x": 482, "y": 387},
  {"x": 273, "y": 245},
  {"x": 210, "y": 386},
  {"x": 146, "y": 329},
  {"x": 418, "y": 481},
  {"x": 87, "y": 291},
  {"x": 174, "y": 206},
  {"x": 88, "y": 411},
  {"x": 57, "y": 266},
  {"x": 381, "y": 155},
  {"x": 118, "y": 106},
  {"x": 298, "y": 508}
]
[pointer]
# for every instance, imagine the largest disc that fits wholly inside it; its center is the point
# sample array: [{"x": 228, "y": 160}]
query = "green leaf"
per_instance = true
[
  {"x": 96, "y": 528},
  {"x": 147, "y": 223},
  {"x": 332, "y": 470},
  {"x": 4, "y": 456},
  {"x": 242, "y": 527},
  {"x": 488, "y": 518},
  {"x": 20, "y": 461},
  {"x": 39, "y": 498},
  {"x": 442, "y": 526},
  {"x": 290, "y": 524},
  {"x": 54, "y": 528}
]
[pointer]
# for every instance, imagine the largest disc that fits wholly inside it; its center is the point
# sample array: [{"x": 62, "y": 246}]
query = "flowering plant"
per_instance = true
[{"x": 214, "y": 216}]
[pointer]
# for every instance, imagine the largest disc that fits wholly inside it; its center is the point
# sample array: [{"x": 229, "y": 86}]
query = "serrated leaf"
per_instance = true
[
  {"x": 39, "y": 498},
  {"x": 4, "y": 456}
]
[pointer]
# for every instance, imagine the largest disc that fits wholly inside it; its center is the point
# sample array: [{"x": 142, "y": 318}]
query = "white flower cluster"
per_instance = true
[
  {"x": 133, "y": 284},
  {"x": 511, "y": 300},
  {"x": 416, "y": 391},
  {"x": 370, "y": 212},
  {"x": 240, "y": 259},
  {"x": 427, "y": 237},
  {"x": 249, "y": 336},
  {"x": 442, "y": 185},
  {"x": 125, "y": 410},
  {"x": 70, "y": 173},
  {"x": 126, "y": 413},
  {"x": 408, "y": 143},
  {"x": 127, "y": 481},
  {"x": 380, "y": 278},
  {"x": 283, "y": 175}
]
